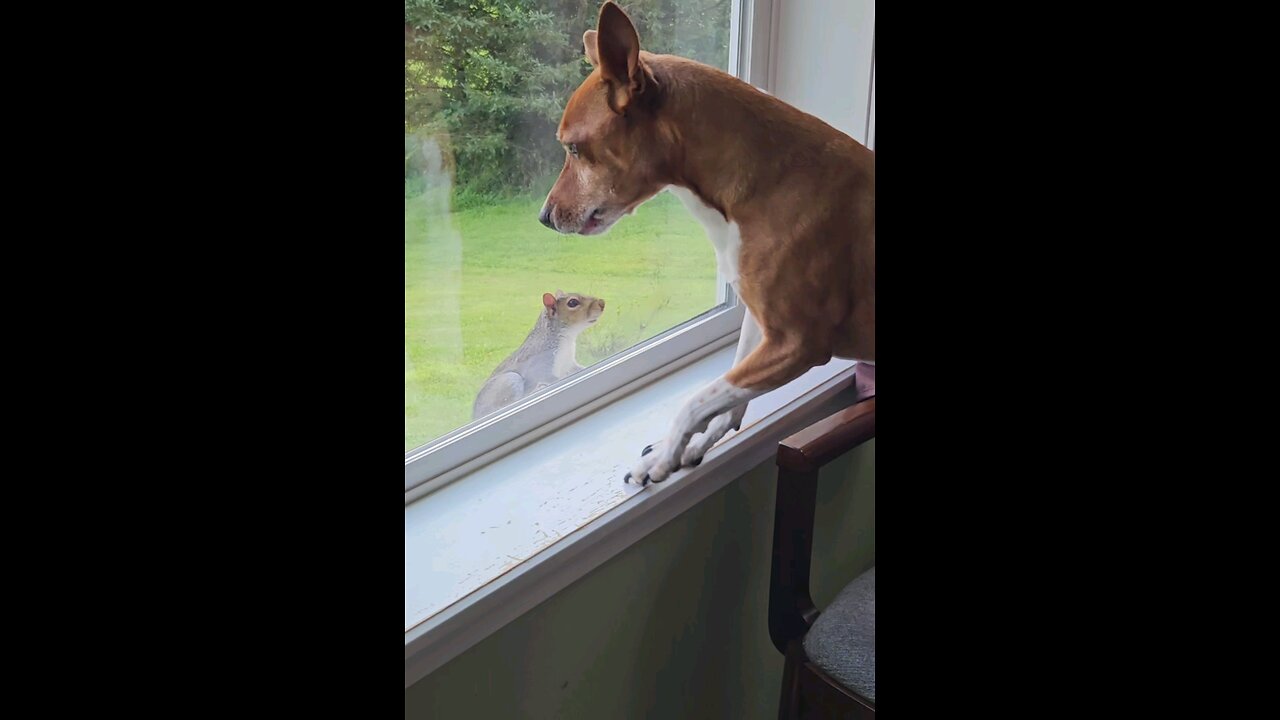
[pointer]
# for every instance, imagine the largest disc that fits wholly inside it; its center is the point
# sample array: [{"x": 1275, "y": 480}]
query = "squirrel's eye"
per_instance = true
[
  {"x": 573, "y": 149},
  {"x": 573, "y": 302}
]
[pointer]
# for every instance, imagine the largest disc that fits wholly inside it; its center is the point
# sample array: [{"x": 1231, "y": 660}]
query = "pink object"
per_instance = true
[{"x": 865, "y": 380}]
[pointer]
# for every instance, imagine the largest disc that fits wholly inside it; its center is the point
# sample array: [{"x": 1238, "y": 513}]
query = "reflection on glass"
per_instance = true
[{"x": 485, "y": 84}]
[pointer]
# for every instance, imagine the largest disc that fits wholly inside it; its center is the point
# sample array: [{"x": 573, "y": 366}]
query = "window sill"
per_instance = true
[{"x": 482, "y": 551}]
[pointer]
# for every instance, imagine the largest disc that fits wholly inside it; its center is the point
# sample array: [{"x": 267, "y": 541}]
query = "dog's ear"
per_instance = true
[
  {"x": 618, "y": 53},
  {"x": 549, "y": 301},
  {"x": 589, "y": 45}
]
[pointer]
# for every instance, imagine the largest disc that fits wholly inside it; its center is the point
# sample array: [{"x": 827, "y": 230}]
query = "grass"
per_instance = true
[{"x": 473, "y": 284}]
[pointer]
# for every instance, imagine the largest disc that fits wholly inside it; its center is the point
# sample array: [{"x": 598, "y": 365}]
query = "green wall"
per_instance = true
[{"x": 673, "y": 627}]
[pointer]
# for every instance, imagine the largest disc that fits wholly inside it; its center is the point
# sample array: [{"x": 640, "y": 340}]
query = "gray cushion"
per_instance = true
[{"x": 843, "y": 640}]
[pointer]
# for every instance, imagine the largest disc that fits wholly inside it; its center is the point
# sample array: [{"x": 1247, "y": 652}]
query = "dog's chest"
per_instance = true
[{"x": 724, "y": 236}]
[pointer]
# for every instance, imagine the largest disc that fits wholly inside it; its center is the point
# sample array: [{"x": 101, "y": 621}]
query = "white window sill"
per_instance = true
[{"x": 487, "y": 548}]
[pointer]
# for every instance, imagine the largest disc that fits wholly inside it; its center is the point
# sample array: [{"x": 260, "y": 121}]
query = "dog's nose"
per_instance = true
[{"x": 545, "y": 216}]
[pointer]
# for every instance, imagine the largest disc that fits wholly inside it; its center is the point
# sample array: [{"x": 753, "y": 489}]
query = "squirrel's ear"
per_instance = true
[{"x": 549, "y": 301}]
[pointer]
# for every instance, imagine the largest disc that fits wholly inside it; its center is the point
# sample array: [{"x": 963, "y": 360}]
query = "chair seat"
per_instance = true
[{"x": 843, "y": 639}]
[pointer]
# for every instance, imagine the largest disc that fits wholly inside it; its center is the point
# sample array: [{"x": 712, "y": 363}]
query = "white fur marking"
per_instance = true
[
  {"x": 719, "y": 395},
  {"x": 748, "y": 338},
  {"x": 701, "y": 409},
  {"x": 725, "y": 237},
  {"x": 563, "y": 362}
]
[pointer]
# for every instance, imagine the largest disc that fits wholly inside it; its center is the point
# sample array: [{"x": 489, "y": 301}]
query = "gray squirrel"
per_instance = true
[{"x": 547, "y": 355}]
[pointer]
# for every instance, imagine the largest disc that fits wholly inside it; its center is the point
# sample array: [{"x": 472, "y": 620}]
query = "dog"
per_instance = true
[{"x": 787, "y": 201}]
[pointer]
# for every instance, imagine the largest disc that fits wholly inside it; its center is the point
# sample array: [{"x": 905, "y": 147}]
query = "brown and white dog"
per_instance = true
[{"x": 788, "y": 202}]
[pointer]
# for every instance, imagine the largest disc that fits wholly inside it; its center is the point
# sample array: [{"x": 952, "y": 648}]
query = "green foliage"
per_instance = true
[{"x": 487, "y": 80}]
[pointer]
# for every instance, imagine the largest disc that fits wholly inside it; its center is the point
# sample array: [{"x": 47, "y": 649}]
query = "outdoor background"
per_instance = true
[{"x": 485, "y": 84}]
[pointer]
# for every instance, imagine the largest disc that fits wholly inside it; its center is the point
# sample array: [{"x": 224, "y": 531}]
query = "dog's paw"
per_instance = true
[
  {"x": 698, "y": 447},
  {"x": 654, "y": 466},
  {"x": 702, "y": 442}
]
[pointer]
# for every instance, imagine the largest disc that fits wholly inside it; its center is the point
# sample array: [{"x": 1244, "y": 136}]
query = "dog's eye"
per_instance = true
[
  {"x": 573, "y": 302},
  {"x": 573, "y": 149}
]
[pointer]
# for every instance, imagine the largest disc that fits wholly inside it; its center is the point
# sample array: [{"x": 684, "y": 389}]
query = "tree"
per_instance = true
[{"x": 488, "y": 79}]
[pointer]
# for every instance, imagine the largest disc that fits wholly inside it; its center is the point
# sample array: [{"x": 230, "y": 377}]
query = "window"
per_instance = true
[
  {"x": 485, "y": 84},
  {"x": 547, "y": 508}
]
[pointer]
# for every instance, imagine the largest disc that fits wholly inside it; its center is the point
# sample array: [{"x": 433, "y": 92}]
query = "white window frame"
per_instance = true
[
  {"x": 450, "y": 457},
  {"x": 871, "y": 104}
]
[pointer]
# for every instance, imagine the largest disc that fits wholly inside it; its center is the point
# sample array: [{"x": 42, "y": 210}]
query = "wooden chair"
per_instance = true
[{"x": 838, "y": 681}]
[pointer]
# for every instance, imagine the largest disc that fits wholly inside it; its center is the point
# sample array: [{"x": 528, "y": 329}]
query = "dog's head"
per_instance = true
[{"x": 609, "y": 133}]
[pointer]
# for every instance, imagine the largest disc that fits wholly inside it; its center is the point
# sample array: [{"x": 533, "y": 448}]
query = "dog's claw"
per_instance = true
[
  {"x": 647, "y": 449},
  {"x": 696, "y": 463},
  {"x": 627, "y": 478}
]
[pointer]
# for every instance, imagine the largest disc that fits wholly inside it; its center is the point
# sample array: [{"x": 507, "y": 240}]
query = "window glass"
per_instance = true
[{"x": 485, "y": 85}]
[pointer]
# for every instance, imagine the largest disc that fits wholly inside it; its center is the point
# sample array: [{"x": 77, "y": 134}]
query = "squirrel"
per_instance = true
[{"x": 547, "y": 355}]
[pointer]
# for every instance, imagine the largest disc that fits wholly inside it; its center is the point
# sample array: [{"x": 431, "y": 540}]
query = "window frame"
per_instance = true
[{"x": 450, "y": 457}]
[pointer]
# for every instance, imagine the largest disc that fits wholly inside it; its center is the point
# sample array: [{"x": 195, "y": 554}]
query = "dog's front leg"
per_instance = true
[
  {"x": 776, "y": 361},
  {"x": 721, "y": 424},
  {"x": 711, "y": 401}
]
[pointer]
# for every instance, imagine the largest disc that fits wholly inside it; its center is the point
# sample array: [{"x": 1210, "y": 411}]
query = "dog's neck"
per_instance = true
[
  {"x": 709, "y": 122},
  {"x": 735, "y": 146}
]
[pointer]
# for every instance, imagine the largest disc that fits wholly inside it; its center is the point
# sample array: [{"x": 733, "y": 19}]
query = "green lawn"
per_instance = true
[{"x": 473, "y": 284}]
